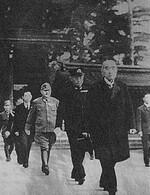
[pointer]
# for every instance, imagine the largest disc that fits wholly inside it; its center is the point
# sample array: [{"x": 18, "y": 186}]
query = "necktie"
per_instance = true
[{"x": 110, "y": 85}]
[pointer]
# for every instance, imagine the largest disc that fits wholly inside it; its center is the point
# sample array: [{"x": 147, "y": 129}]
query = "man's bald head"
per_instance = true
[{"x": 109, "y": 69}]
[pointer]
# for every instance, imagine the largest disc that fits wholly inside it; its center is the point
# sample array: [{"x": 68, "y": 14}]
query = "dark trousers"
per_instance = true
[
  {"x": 8, "y": 147},
  {"x": 77, "y": 156},
  {"x": 108, "y": 178},
  {"x": 146, "y": 147},
  {"x": 18, "y": 148},
  {"x": 22, "y": 146},
  {"x": 26, "y": 146}
]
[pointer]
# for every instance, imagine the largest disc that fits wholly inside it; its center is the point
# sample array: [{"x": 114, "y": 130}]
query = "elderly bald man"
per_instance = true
[{"x": 110, "y": 116}]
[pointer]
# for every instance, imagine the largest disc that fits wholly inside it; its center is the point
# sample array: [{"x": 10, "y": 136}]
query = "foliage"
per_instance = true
[
  {"x": 141, "y": 33},
  {"x": 99, "y": 31}
]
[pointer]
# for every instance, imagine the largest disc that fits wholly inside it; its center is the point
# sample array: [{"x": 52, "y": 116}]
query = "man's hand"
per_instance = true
[
  {"x": 140, "y": 133},
  {"x": 133, "y": 131},
  {"x": 57, "y": 130},
  {"x": 27, "y": 132},
  {"x": 7, "y": 133},
  {"x": 17, "y": 133},
  {"x": 85, "y": 134}
]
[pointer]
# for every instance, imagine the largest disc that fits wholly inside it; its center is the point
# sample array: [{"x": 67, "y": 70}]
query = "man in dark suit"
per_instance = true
[
  {"x": 143, "y": 127},
  {"x": 72, "y": 109},
  {"x": 22, "y": 141},
  {"x": 110, "y": 117}
]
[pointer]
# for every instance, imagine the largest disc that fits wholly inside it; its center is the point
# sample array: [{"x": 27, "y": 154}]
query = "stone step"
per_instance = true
[
  {"x": 135, "y": 142},
  {"x": 62, "y": 142}
]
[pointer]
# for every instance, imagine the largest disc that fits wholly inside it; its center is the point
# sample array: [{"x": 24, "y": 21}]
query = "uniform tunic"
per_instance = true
[
  {"x": 42, "y": 117},
  {"x": 72, "y": 111}
]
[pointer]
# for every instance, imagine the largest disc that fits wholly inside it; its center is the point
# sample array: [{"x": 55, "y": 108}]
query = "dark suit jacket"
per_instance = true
[
  {"x": 72, "y": 109},
  {"x": 143, "y": 119},
  {"x": 20, "y": 118},
  {"x": 110, "y": 116}
]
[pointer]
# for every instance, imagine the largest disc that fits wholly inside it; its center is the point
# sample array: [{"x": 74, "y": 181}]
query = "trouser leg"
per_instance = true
[
  {"x": 46, "y": 141},
  {"x": 108, "y": 178},
  {"x": 78, "y": 171},
  {"x": 26, "y": 146},
  {"x": 77, "y": 157},
  {"x": 48, "y": 153},
  {"x": 18, "y": 149},
  {"x": 11, "y": 147},
  {"x": 44, "y": 157},
  {"x": 45, "y": 154},
  {"x": 145, "y": 149},
  {"x": 6, "y": 149}
]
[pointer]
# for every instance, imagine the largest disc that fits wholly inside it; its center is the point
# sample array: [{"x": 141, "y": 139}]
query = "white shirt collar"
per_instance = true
[
  {"x": 27, "y": 105},
  {"x": 147, "y": 105},
  {"x": 109, "y": 83}
]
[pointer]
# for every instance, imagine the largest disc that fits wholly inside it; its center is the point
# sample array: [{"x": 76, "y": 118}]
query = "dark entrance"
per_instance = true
[{"x": 30, "y": 66}]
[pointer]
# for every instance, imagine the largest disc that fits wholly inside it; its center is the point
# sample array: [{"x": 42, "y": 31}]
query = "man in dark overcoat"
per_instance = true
[
  {"x": 22, "y": 141},
  {"x": 110, "y": 117},
  {"x": 71, "y": 110}
]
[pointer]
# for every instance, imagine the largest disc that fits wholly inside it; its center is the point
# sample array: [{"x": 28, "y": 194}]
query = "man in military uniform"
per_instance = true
[
  {"x": 71, "y": 110},
  {"x": 42, "y": 116}
]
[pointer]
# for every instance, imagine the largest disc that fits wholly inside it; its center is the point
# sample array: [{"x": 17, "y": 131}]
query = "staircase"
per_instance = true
[
  {"x": 62, "y": 142},
  {"x": 135, "y": 142}
]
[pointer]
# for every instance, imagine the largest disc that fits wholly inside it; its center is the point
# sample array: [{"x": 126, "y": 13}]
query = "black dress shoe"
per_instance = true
[
  {"x": 81, "y": 181},
  {"x": 8, "y": 159},
  {"x": 112, "y": 193},
  {"x": 25, "y": 165},
  {"x": 19, "y": 162},
  {"x": 45, "y": 169},
  {"x": 147, "y": 165}
]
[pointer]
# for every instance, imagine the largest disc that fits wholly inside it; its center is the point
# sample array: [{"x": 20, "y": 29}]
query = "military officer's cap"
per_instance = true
[
  {"x": 45, "y": 87},
  {"x": 76, "y": 72}
]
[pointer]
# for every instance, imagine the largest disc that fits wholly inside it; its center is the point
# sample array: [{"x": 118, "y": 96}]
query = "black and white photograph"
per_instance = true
[{"x": 74, "y": 97}]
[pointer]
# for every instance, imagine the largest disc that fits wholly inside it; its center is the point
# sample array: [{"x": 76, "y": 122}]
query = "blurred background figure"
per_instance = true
[
  {"x": 143, "y": 127},
  {"x": 6, "y": 125}
]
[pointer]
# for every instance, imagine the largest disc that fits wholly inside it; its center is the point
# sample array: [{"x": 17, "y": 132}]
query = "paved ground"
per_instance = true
[{"x": 133, "y": 177}]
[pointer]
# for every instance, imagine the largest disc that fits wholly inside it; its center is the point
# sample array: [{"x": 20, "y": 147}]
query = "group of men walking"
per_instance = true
[
  {"x": 102, "y": 112},
  {"x": 12, "y": 127}
]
